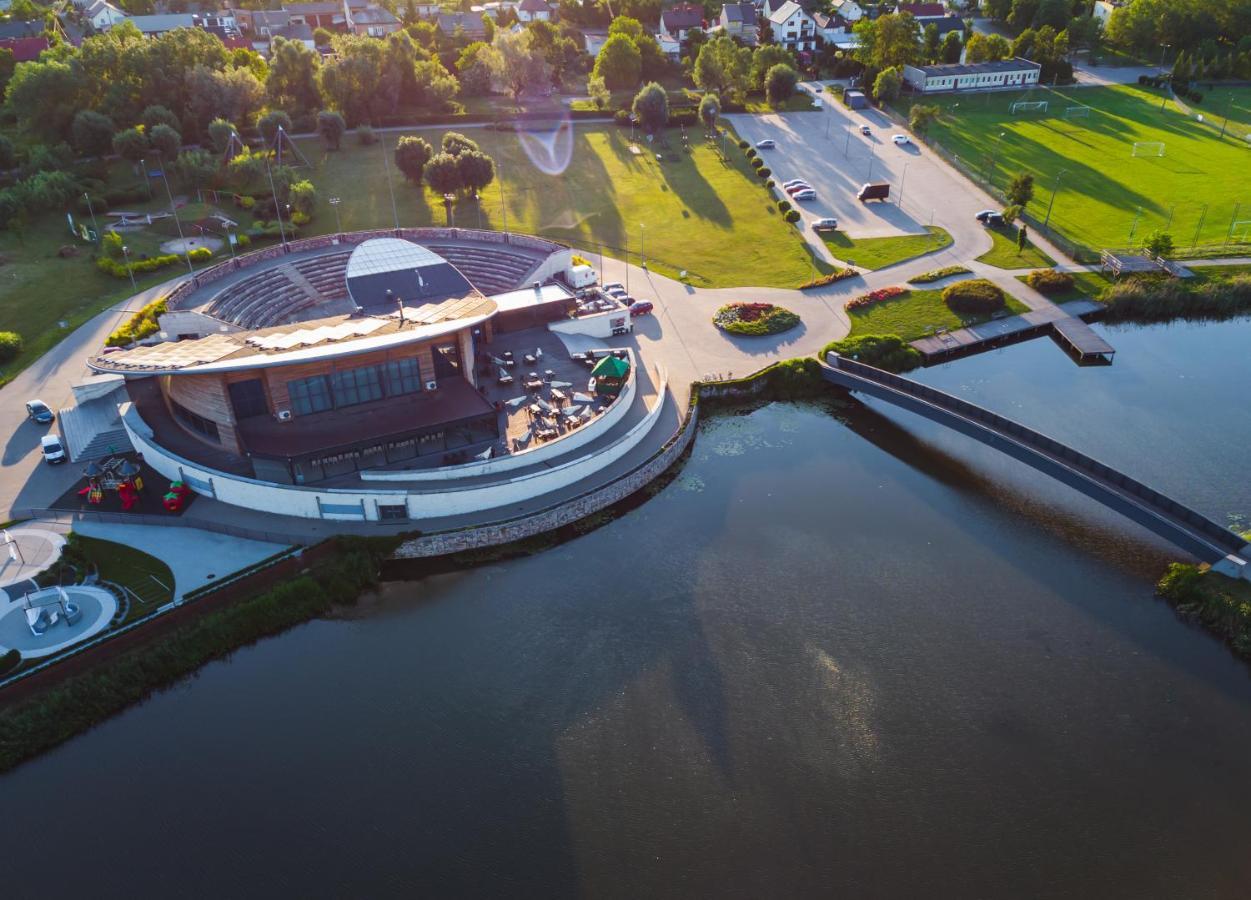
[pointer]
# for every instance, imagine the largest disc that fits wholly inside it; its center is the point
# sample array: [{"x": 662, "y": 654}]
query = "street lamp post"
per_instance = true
[
  {"x": 1055, "y": 188},
  {"x": 989, "y": 175},
  {"x": 903, "y": 179},
  {"x": 143, "y": 167},
  {"x": 126, "y": 256},
  {"x": 642, "y": 246},
  {"x": 334, "y": 204},
  {"x": 177, "y": 223},
  {"x": 282, "y": 232},
  {"x": 94, "y": 226},
  {"x": 395, "y": 212},
  {"x": 847, "y": 143}
]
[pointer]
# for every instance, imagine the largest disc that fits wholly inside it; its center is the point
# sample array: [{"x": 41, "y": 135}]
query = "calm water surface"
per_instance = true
[{"x": 843, "y": 654}]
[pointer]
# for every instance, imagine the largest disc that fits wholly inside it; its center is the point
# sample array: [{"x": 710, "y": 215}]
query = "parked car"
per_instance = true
[
  {"x": 826, "y": 224},
  {"x": 805, "y": 194},
  {"x": 990, "y": 217},
  {"x": 796, "y": 188},
  {"x": 37, "y": 411},
  {"x": 615, "y": 286},
  {"x": 901, "y": 139},
  {"x": 766, "y": 144},
  {"x": 641, "y": 308},
  {"x": 53, "y": 451},
  {"x": 866, "y": 130},
  {"x": 878, "y": 191},
  {"x": 793, "y": 182}
]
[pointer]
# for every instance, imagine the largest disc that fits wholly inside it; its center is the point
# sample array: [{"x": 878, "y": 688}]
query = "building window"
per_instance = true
[
  {"x": 248, "y": 398},
  {"x": 403, "y": 377},
  {"x": 353, "y": 386},
  {"x": 309, "y": 395},
  {"x": 196, "y": 422}
]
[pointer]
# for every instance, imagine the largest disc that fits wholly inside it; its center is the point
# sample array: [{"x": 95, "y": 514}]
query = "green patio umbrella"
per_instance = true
[{"x": 611, "y": 367}]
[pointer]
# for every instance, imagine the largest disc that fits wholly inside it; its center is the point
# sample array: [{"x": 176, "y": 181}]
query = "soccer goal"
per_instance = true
[
  {"x": 1077, "y": 112},
  {"x": 1148, "y": 148},
  {"x": 1021, "y": 106}
]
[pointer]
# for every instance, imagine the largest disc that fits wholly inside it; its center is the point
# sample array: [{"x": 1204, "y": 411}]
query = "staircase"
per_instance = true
[{"x": 90, "y": 429}]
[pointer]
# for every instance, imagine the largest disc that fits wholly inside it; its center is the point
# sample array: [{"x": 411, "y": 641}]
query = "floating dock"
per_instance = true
[{"x": 1065, "y": 322}]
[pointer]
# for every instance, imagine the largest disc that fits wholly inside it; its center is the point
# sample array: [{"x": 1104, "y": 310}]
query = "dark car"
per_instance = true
[
  {"x": 990, "y": 217},
  {"x": 641, "y": 308},
  {"x": 37, "y": 411}
]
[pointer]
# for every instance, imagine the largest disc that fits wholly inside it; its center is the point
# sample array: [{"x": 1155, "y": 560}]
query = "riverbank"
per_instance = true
[{"x": 1220, "y": 604}]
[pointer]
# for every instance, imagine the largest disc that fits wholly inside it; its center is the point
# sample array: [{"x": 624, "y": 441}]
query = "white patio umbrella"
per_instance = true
[
  {"x": 561, "y": 385},
  {"x": 543, "y": 405},
  {"x": 579, "y": 397},
  {"x": 516, "y": 402}
]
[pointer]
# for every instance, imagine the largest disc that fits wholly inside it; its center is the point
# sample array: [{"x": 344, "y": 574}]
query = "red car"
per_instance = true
[{"x": 641, "y": 308}]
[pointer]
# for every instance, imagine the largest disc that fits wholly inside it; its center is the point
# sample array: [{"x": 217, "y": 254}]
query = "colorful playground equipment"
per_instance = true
[
  {"x": 114, "y": 474},
  {"x": 176, "y": 497}
]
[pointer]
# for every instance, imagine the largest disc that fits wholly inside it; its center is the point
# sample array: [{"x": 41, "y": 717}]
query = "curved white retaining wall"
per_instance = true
[
  {"x": 559, "y": 447},
  {"x": 362, "y": 505}
]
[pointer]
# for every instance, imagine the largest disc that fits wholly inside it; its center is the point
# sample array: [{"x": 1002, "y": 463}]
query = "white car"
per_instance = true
[
  {"x": 53, "y": 451},
  {"x": 805, "y": 194},
  {"x": 794, "y": 182},
  {"x": 615, "y": 286},
  {"x": 901, "y": 139},
  {"x": 766, "y": 144},
  {"x": 826, "y": 224}
]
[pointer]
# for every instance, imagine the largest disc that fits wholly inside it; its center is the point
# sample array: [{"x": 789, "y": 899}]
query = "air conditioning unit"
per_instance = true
[
  {"x": 432, "y": 385},
  {"x": 284, "y": 415}
]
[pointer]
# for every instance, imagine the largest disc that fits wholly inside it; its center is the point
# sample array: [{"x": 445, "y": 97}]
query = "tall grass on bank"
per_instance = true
[
  {"x": 1162, "y": 300},
  {"x": 81, "y": 701},
  {"x": 1222, "y": 604}
]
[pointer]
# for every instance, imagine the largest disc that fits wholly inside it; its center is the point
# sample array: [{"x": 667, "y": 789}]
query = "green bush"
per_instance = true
[
  {"x": 791, "y": 216},
  {"x": 621, "y": 117},
  {"x": 938, "y": 274},
  {"x": 743, "y": 145},
  {"x": 1049, "y": 281},
  {"x": 200, "y": 254},
  {"x": 365, "y": 135},
  {"x": 751, "y": 153},
  {"x": 246, "y": 202},
  {"x": 764, "y": 172},
  {"x": 242, "y": 240},
  {"x": 784, "y": 205},
  {"x": 139, "y": 326},
  {"x": 10, "y": 346},
  {"x": 757, "y": 163},
  {"x": 754, "y": 319},
  {"x": 976, "y": 296},
  {"x": 884, "y": 351},
  {"x": 10, "y": 661},
  {"x": 139, "y": 266}
]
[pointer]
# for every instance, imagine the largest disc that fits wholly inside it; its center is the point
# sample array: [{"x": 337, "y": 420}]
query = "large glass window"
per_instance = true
[
  {"x": 196, "y": 422},
  {"x": 353, "y": 386},
  {"x": 309, "y": 395},
  {"x": 403, "y": 377}
]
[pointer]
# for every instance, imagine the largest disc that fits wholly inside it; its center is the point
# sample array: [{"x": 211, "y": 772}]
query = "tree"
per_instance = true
[
  {"x": 619, "y": 63},
  {"x": 158, "y": 115},
  {"x": 1022, "y": 238},
  {"x": 780, "y": 84},
  {"x": 488, "y": 28},
  {"x": 8, "y": 153},
  {"x": 931, "y": 47},
  {"x": 1021, "y": 189},
  {"x": 45, "y": 97},
  {"x": 473, "y": 67},
  {"x": 443, "y": 174},
  {"x": 709, "y": 110},
  {"x": 518, "y": 64},
  {"x": 890, "y": 40},
  {"x": 195, "y": 168},
  {"x": 1011, "y": 213},
  {"x": 887, "y": 85},
  {"x": 303, "y": 197},
  {"x": 921, "y": 117},
  {"x": 997, "y": 9},
  {"x": 93, "y": 133},
  {"x": 411, "y": 156},
  {"x": 653, "y": 62},
  {"x": 1055, "y": 13},
  {"x": 651, "y": 107},
  {"x": 724, "y": 67},
  {"x": 331, "y": 127},
  {"x": 987, "y": 48},
  {"x": 1023, "y": 13},
  {"x": 952, "y": 47},
  {"x": 292, "y": 82},
  {"x": 243, "y": 58},
  {"x": 1158, "y": 243},
  {"x": 165, "y": 141},
  {"x": 219, "y": 132},
  {"x": 476, "y": 169},
  {"x": 454, "y": 144},
  {"x": 764, "y": 58},
  {"x": 598, "y": 91},
  {"x": 271, "y": 122},
  {"x": 626, "y": 25},
  {"x": 322, "y": 37},
  {"x": 130, "y": 144},
  {"x": 232, "y": 94}
]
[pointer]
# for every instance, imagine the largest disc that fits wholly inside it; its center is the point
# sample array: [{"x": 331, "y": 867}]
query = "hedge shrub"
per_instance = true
[
  {"x": 976, "y": 296},
  {"x": 791, "y": 216},
  {"x": 757, "y": 163},
  {"x": 939, "y": 274},
  {"x": 764, "y": 171},
  {"x": 621, "y": 117},
  {"x": 743, "y": 145},
  {"x": 10, "y": 346},
  {"x": 884, "y": 351},
  {"x": 784, "y": 205},
  {"x": 139, "y": 266},
  {"x": 139, "y": 326},
  {"x": 1049, "y": 281}
]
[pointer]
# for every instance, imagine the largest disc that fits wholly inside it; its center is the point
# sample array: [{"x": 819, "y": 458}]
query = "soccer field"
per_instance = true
[{"x": 1199, "y": 190}]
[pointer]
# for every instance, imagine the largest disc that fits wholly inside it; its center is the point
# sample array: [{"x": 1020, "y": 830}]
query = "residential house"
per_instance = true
[
  {"x": 534, "y": 11},
  {"x": 739, "y": 20},
  {"x": 835, "y": 31},
  {"x": 299, "y": 32},
  {"x": 676, "y": 22},
  {"x": 1103, "y": 10},
  {"x": 15, "y": 28},
  {"x": 945, "y": 25},
  {"x": 769, "y": 7},
  {"x": 467, "y": 22},
  {"x": 24, "y": 49},
  {"x": 923, "y": 12},
  {"x": 328, "y": 14},
  {"x": 103, "y": 15},
  {"x": 593, "y": 41},
  {"x": 848, "y": 9},
  {"x": 373, "y": 21},
  {"x": 972, "y": 76},
  {"x": 155, "y": 26},
  {"x": 793, "y": 28},
  {"x": 669, "y": 46}
]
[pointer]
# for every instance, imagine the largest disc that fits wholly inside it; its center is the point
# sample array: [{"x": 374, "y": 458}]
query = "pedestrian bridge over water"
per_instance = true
[{"x": 1193, "y": 532}]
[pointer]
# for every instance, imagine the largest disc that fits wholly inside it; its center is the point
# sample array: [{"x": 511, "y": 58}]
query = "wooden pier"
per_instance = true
[{"x": 1066, "y": 323}]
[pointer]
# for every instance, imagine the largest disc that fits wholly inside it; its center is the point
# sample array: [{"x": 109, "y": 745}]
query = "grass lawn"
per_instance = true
[
  {"x": 1108, "y": 198},
  {"x": 1004, "y": 254},
  {"x": 582, "y": 185},
  {"x": 149, "y": 578},
  {"x": 916, "y": 314},
  {"x": 878, "y": 253},
  {"x": 1086, "y": 286},
  {"x": 800, "y": 101}
]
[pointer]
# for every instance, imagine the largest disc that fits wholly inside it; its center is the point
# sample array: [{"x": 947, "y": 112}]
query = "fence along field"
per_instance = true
[{"x": 1109, "y": 194}]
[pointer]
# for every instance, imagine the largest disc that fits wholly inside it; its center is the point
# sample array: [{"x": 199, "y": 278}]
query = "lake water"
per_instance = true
[{"x": 844, "y": 654}]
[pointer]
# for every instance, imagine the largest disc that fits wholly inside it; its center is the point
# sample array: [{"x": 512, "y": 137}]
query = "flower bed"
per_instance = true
[
  {"x": 754, "y": 318},
  {"x": 836, "y": 275},
  {"x": 866, "y": 300}
]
